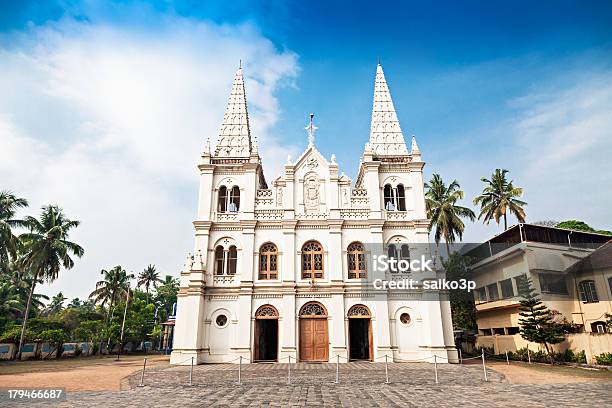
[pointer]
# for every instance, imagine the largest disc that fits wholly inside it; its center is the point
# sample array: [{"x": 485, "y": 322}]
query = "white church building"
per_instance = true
[{"x": 283, "y": 268}]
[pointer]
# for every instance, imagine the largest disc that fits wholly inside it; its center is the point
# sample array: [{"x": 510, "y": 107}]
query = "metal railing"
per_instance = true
[{"x": 386, "y": 359}]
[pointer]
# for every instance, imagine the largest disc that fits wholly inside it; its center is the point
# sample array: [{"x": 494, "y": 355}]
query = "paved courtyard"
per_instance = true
[{"x": 360, "y": 385}]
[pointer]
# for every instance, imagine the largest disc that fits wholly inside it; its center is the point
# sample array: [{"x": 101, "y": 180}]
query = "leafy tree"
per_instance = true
[
  {"x": 55, "y": 306},
  {"x": 149, "y": 278},
  {"x": 165, "y": 296},
  {"x": 56, "y": 338},
  {"x": 461, "y": 301},
  {"x": 9, "y": 243},
  {"x": 536, "y": 321},
  {"x": 12, "y": 334},
  {"x": 112, "y": 288},
  {"x": 14, "y": 290},
  {"x": 576, "y": 225},
  {"x": 498, "y": 197},
  {"x": 47, "y": 250},
  {"x": 89, "y": 330},
  {"x": 443, "y": 212}
]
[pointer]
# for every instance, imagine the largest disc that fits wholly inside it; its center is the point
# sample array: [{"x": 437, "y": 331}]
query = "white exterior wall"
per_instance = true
[{"x": 336, "y": 223}]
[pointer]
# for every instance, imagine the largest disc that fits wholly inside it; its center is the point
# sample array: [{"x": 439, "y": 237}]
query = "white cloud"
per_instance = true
[
  {"x": 109, "y": 123},
  {"x": 557, "y": 143}
]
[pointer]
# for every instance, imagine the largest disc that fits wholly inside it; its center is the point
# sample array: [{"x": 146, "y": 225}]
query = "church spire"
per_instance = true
[
  {"x": 386, "y": 138},
  {"x": 235, "y": 134}
]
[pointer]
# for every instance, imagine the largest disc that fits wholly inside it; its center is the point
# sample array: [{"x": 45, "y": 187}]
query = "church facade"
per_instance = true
[{"x": 283, "y": 268}]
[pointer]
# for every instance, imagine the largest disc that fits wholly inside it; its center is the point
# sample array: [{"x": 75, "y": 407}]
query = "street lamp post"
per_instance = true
[{"x": 127, "y": 300}]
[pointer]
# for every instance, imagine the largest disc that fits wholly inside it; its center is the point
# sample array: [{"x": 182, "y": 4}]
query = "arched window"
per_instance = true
[
  {"x": 356, "y": 261},
  {"x": 389, "y": 199},
  {"x": 312, "y": 260},
  {"x": 234, "y": 201},
  {"x": 232, "y": 260},
  {"x": 401, "y": 198},
  {"x": 219, "y": 260},
  {"x": 394, "y": 198},
  {"x": 313, "y": 309},
  {"x": 405, "y": 252},
  {"x": 588, "y": 292},
  {"x": 222, "y": 199},
  {"x": 268, "y": 265}
]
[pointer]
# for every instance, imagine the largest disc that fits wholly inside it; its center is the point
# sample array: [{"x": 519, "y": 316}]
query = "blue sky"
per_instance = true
[{"x": 107, "y": 104}]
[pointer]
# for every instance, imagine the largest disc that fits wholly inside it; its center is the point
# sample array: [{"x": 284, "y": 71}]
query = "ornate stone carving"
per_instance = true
[
  {"x": 266, "y": 311},
  {"x": 312, "y": 197},
  {"x": 358, "y": 311},
  {"x": 312, "y": 162},
  {"x": 279, "y": 196},
  {"x": 313, "y": 309}
]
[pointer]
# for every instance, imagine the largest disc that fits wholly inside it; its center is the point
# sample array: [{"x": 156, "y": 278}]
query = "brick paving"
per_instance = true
[{"x": 361, "y": 385}]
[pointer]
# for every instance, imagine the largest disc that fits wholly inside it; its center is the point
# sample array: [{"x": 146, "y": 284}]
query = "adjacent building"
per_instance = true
[{"x": 571, "y": 272}]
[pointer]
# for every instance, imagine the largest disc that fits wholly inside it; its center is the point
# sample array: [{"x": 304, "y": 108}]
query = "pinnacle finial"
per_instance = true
[
  {"x": 414, "y": 148},
  {"x": 240, "y": 64},
  {"x": 311, "y": 128}
]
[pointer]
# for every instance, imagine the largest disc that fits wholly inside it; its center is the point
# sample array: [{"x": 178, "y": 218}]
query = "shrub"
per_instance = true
[
  {"x": 604, "y": 359},
  {"x": 77, "y": 350}
]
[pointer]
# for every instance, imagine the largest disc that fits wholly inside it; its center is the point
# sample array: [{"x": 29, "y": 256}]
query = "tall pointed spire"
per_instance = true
[
  {"x": 235, "y": 134},
  {"x": 386, "y": 138}
]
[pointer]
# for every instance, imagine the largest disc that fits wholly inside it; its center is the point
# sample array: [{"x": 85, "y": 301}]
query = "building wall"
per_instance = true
[
  {"x": 284, "y": 215},
  {"x": 497, "y": 320}
]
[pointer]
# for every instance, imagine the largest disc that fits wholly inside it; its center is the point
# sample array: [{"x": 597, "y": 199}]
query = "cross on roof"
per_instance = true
[{"x": 311, "y": 128}]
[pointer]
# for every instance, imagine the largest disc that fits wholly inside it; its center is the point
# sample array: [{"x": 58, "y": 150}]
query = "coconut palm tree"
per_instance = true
[
  {"x": 47, "y": 250},
  {"x": 498, "y": 197},
  {"x": 443, "y": 212},
  {"x": 112, "y": 288},
  {"x": 55, "y": 306},
  {"x": 149, "y": 277},
  {"x": 20, "y": 283},
  {"x": 9, "y": 204}
]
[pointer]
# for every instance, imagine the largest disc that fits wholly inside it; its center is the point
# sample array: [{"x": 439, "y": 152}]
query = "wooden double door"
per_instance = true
[{"x": 314, "y": 340}]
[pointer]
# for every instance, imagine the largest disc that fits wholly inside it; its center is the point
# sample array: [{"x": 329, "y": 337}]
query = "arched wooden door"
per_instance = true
[
  {"x": 360, "y": 333},
  {"x": 314, "y": 339},
  {"x": 265, "y": 341}
]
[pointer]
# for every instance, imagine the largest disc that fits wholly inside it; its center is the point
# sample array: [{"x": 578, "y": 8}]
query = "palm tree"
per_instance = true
[
  {"x": 11, "y": 304},
  {"x": 443, "y": 211},
  {"x": 149, "y": 277},
  {"x": 20, "y": 283},
  {"x": 498, "y": 197},
  {"x": 56, "y": 305},
  {"x": 112, "y": 288},
  {"x": 9, "y": 204},
  {"x": 47, "y": 250}
]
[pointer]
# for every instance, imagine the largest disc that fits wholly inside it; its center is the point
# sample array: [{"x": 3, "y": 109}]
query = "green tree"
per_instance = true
[
  {"x": 576, "y": 225},
  {"x": 9, "y": 242},
  {"x": 443, "y": 212},
  {"x": 165, "y": 296},
  {"x": 149, "y": 278},
  {"x": 498, "y": 197},
  {"x": 461, "y": 301},
  {"x": 47, "y": 250},
  {"x": 536, "y": 321},
  {"x": 112, "y": 288},
  {"x": 56, "y": 338},
  {"x": 14, "y": 291},
  {"x": 55, "y": 306}
]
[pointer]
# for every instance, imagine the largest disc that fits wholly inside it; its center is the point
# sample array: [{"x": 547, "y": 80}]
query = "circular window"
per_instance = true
[
  {"x": 405, "y": 318},
  {"x": 221, "y": 320}
]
